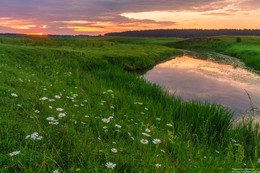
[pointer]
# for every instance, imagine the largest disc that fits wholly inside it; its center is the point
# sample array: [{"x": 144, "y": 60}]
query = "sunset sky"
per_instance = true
[{"x": 101, "y": 16}]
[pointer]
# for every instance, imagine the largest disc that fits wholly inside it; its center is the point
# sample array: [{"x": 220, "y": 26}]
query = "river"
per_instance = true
[{"x": 208, "y": 81}]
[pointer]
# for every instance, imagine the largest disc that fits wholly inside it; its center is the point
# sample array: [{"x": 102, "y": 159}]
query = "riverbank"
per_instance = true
[
  {"x": 73, "y": 105},
  {"x": 208, "y": 81}
]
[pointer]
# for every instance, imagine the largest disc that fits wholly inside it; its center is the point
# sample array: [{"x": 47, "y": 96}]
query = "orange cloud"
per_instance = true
[{"x": 20, "y": 26}]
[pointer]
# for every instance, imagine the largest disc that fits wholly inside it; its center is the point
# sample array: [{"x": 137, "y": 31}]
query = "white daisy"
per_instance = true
[
  {"x": 169, "y": 125},
  {"x": 57, "y": 97},
  {"x": 14, "y": 95},
  {"x": 157, "y": 141},
  {"x": 61, "y": 115},
  {"x": 59, "y": 109},
  {"x": 14, "y": 153},
  {"x": 157, "y": 165},
  {"x": 144, "y": 141},
  {"x": 110, "y": 165},
  {"x": 114, "y": 150},
  {"x": 146, "y": 134},
  {"x": 56, "y": 171},
  {"x": 54, "y": 123},
  {"x": 147, "y": 130},
  {"x": 50, "y": 118},
  {"x": 44, "y": 98},
  {"x": 106, "y": 120}
]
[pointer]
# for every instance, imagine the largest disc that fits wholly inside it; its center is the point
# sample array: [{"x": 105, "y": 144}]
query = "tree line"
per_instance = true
[{"x": 187, "y": 33}]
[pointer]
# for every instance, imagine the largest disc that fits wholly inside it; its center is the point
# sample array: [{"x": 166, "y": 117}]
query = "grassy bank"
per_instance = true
[
  {"x": 89, "y": 110},
  {"x": 246, "y": 49}
]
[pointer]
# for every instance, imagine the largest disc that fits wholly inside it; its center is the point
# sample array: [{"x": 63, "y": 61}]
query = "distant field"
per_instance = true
[{"x": 75, "y": 105}]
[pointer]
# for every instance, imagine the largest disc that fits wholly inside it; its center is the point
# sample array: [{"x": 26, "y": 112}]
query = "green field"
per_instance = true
[{"x": 89, "y": 107}]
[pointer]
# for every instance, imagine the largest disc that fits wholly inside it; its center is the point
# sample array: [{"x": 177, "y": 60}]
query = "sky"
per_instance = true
[{"x": 93, "y": 17}]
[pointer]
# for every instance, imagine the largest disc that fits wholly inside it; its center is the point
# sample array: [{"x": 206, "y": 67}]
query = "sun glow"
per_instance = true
[
  {"x": 34, "y": 33},
  {"x": 215, "y": 19}
]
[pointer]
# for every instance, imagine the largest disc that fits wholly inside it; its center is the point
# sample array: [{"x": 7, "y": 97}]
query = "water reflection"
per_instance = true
[{"x": 195, "y": 79}]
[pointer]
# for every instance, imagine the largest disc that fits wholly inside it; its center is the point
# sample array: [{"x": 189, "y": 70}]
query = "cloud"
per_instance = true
[
  {"x": 217, "y": 14},
  {"x": 93, "y": 16}
]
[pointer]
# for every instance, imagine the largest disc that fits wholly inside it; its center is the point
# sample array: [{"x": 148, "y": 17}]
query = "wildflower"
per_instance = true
[
  {"x": 56, "y": 171},
  {"x": 157, "y": 165},
  {"x": 50, "y": 118},
  {"x": 19, "y": 105},
  {"x": 51, "y": 100},
  {"x": 158, "y": 119},
  {"x": 112, "y": 107},
  {"x": 57, "y": 97},
  {"x": 144, "y": 141},
  {"x": 147, "y": 130},
  {"x": 14, "y": 95},
  {"x": 109, "y": 91},
  {"x": 110, "y": 118},
  {"x": 14, "y": 153},
  {"x": 54, "y": 122},
  {"x": 37, "y": 111},
  {"x": 44, "y": 98},
  {"x": 106, "y": 120},
  {"x": 217, "y": 151},
  {"x": 76, "y": 105},
  {"x": 118, "y": 126},
  {"x": 169, "y": 125},
  {"x": 34, "y": 136},
  {"x": 61, "y": 115},
  {"x": 146, "y": 134},
  {"x": 50, "y": 107},
  {"x": 114, "y": 150},
  {"x": 157, "y": 141},
  {"x": 110, "y": 165},
  {"x": 59, "y": 109}
]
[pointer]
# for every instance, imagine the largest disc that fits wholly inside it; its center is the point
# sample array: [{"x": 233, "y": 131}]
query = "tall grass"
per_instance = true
[{"x": 104, "y": 106}]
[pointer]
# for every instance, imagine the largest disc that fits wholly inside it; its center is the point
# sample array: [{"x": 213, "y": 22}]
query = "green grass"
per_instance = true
[{"x": 92, "y": 78}]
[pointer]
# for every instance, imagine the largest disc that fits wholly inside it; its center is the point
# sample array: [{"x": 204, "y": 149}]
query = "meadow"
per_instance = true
[{"x": 80, "y": 105}]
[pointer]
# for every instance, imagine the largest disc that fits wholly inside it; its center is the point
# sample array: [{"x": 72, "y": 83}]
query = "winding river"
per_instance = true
[{"x": 207, "y": 81}]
